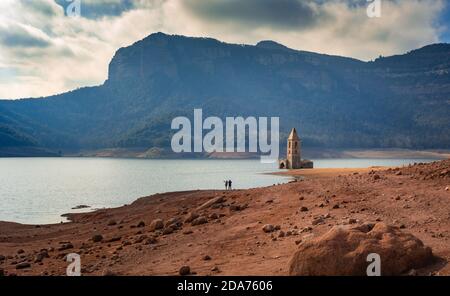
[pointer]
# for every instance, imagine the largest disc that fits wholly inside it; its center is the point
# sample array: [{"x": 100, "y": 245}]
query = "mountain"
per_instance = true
[{"x": 393, "y": 102}]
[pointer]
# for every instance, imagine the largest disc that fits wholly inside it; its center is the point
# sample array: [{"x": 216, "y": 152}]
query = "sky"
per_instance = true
[{"x": 50, "y": 46}]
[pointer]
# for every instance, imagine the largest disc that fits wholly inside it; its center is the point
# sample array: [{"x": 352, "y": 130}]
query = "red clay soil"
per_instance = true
[{"x": 232, "y": 241}]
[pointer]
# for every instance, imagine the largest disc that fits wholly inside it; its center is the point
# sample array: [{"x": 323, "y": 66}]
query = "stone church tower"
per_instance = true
[
  {"x": 293, "y": 159},
  {"x": 293, "y": 151}
]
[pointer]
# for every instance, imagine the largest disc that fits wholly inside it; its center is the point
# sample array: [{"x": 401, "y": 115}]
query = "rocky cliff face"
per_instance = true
[{"x": 399, "y": 101}]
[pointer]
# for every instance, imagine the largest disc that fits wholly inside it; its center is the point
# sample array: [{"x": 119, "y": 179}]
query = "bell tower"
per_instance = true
[{"x": 294, "y": 151}]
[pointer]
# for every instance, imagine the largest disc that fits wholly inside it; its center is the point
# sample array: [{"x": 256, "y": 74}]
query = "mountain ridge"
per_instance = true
[{"x": 391, "y": 102}]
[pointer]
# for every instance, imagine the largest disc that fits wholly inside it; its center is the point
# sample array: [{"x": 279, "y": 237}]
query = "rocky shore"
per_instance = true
[{"x": 275, "y": 230}]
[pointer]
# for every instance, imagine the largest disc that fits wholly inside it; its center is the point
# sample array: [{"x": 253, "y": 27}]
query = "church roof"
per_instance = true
[{"x": 293, "y": 135}]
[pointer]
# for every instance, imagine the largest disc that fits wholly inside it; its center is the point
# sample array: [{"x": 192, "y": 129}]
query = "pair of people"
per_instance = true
[{"x": 228, "y": 185}]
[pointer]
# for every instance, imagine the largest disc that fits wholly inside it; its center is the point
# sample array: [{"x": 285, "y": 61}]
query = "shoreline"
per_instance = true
[{"x": 123, "y": 241}]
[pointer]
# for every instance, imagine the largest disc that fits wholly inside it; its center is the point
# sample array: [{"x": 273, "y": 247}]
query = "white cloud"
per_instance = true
[{"x": 78, "y": 50}]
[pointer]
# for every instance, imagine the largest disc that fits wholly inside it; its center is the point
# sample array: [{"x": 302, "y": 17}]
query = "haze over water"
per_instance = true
[{"x": 40, "y": 190}]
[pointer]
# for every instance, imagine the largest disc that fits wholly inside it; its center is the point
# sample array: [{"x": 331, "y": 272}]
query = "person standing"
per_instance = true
[
  {"x": 229, "y": 185},
  {"x": 226, "y": 185}
]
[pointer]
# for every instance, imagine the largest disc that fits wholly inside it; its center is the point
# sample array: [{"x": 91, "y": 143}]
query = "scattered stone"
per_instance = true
[
  {"x": 343, "y": 252},
  {"x": 188, "y": 232},
  {"x": 303, "y": 209},
  {"x": 156, "y": 224},
  {"x": 97, "y": 238},
  {"x": 281, "y": 234},
  {"x": 376, "y": 177},
  {"x": 213, "y": 216},
  {"x": 167, "y": 230},
  {"x": 23, "y": 265},
  {"x": 108, "y": 272},
  {"x": 191, "y": 216},
  {"x": 141, "y": 224},
  {"x": 336, "y": 206},
  {"x": 447, "y": 188},
  {"x": 268, "y": 228},
  {"x": 235, "y": 208},
  {"x": 207, "y": 258},
  {"x": 20, "y": 251},
  {"x": 211, "y": 202},
  {"x": 317, "y": 220},
  {"x": 114, "y": 239},
  {"x": 151, "y": 241},
  {"x": 352, "y": 221},
  {"x": 66, "y": 246},
  {"x": 199, "y": 221},
  {"x": 215, "y": 269},
  {"x": 185, "y": 270},
  {"x": 112, "y": 223}
]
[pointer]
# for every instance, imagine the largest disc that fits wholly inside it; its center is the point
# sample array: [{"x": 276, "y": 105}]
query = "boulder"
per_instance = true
[
  {"x": 268, "y": 228},
  {"x": 209, "y": 203},
  {"x": 156, "y": 224},
  {"x": 191, "y": 216},
  {"x": 343, "y": 251},
  {"x": 199, "y": 221},
  {"x": 97, "y": 238}
]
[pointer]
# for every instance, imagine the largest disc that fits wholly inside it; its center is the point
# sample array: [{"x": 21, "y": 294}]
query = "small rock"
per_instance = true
[
  {"x": 317, "y": 221},
  {"x": 167, "y": 230},
  {"x": 151, "y": 240},
  {"x": 23, "y": 265},
  {"x": 213, "y": 216},
  {"x": 191, "y": 216},
  {"x": 97, "y": 238},
  {"x": 235, "y": 208},
  {"x": 156, "y": 224},
  {"x": 199, "y": 221},
  {"x": 112, "y": 223},
  {"x": 185, "y": 270},
  {"x": 20, "y": 251},
  {"x": 206, "y": 258},
  {"x": 352, "y": 221},
  {"x": 108, "y": 272},
  {"x": 336, "y": 206},
  {"x": 281, "y": 234},
  {"x": 268, "y": 228},
  {"x": 376, "y": 177},
  {"x": 141, "y": 224},
  {"x": 65, "y": 247},
  {"x": 303, "y": 209}
]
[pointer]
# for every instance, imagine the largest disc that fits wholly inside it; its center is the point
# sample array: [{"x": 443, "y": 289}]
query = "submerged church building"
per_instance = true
[{"x": 293, "y": 159}]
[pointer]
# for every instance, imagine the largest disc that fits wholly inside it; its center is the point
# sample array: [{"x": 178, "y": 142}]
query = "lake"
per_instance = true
[{"x": 40, "y": 190}]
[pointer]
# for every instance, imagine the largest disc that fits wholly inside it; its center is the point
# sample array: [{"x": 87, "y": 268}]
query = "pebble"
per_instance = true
[{"x": 185, "y": 270}]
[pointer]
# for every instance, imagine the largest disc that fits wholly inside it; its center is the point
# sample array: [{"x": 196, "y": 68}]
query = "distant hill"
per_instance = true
[{"x": 393, "y": 102}]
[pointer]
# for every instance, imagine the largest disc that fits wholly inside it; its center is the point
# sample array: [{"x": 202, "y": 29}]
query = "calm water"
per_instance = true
[{"x": 39, "y": 190}]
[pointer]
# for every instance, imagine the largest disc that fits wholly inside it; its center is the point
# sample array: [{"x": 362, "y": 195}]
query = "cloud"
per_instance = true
[
  {"x": 94, "y": 9},
  {"x": 44, "y": 52},
  {"x": 283, "y": 14}
]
